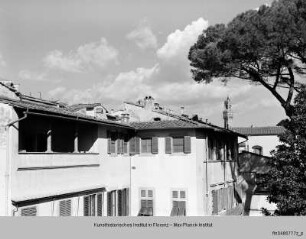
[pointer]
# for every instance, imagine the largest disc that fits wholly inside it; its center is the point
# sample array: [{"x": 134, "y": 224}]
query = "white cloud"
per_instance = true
[
  {"x": 94, "y": 54},
  {"x": 32, "y": 76},
  {"x": 2, "y": 61},
  {"x": 143, "y": 37},
  {"x": 179, "y": 41}
]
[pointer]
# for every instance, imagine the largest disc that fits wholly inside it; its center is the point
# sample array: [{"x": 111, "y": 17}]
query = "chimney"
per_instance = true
[
  {"x": 227, "y": 113},
  {"x": 148, "y": 102},
  {"x": 182, "y": 110},
  {"x": 125, "y": 118}
]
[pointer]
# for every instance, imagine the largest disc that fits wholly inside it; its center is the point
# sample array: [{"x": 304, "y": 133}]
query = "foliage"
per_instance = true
[
  {"x": 265, "y": 46},
  {"x": 287, "y": 177}
]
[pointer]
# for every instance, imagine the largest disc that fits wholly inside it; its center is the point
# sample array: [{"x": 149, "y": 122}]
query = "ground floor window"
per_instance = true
[
  {"x": 29, "y": 211},
  {"x": 93, "y": 205},
  {"x": 178, "y": 203},
  {"x": 118, "y": 202},
  {"x": 65, "y": 208},
  {"x": 146, "y": 202}
]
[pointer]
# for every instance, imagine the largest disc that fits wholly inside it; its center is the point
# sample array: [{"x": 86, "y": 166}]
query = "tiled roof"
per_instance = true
[
  {"x": 257, "y": 131},
  {"x": 53, "y": 110},
  {"x": 179, "y": 124},
  {"x": 166, "y": 124}
]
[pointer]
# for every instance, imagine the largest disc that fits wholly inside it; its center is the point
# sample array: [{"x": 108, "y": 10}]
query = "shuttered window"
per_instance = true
[
  {"x": 178, "y": 203},
  {"x": 146, "y": 145},
  {"x": 146, "y": 203},
  {"x": 178, "y": 145},
  {"x": 111, "y": 203},
  {"x": 65, "y": 208},
  {"x": 125, "y": 145},
  {"x": 111, "y": 142},
  {"x": 29, "y": 211},
  {"x": 123, "y": 202},
  {"x": 134, "y": 145},
  {"x": 93, "y": 205}
]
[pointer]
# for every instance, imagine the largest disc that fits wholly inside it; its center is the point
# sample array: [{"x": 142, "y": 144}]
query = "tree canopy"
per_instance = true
[
  {"x": 287, "y": 176},
  {"x": 265, "y": 46}
]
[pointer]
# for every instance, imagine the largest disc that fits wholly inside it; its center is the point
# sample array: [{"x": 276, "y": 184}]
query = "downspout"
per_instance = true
[
  {"x": 8, "y": 163},
  {"x": 15, "y": 210},
  {"x": 206, "y": 174}
]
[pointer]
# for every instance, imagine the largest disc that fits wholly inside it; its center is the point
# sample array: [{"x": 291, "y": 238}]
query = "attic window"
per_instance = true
[{"x": 157, "y": 119}]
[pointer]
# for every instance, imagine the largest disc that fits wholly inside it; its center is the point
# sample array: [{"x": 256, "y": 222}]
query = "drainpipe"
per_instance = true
[
  {"x": 8, "y": 163},
  {"x": 15, "y": 210},
  {"x": 206, "y": 175}
]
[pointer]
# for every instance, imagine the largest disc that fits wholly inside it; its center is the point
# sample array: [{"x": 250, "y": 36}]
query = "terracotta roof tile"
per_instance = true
[{"x": 256, "y": 131}]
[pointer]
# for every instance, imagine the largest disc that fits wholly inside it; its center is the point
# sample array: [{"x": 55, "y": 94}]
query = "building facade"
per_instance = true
[{"x": 58, "y": 160}]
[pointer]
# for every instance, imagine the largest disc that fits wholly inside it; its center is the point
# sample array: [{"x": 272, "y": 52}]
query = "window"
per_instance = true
[
  {"x": 118, "y": 202},
  {"x": 93, "y": 205},
  {"x": 178, "y": 203},
  {"x": 146, "y": 203},
  {"x": 257, "y": 149},
  {"x": 123, "y": 202},
  {"x": 146, "y": 145},
  {"x": 111, "y": 203},
  {"x": 178, "y": 145},
  {"x": 65, "y": 208},
  {"x": 29, "y": 211},
  {"x": 112, "y": 137}
]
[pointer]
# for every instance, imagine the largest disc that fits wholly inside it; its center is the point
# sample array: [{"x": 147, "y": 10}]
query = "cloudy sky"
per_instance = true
[{"x": 111, "y": 51}]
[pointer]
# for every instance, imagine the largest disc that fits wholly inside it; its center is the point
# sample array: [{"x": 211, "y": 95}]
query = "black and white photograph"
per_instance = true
[{"x": 153, "y": 109}]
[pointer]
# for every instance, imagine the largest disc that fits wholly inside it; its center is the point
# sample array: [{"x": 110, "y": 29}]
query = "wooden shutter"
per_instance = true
[
  {"x": 132, "y": 146},
  {"x": 137, "y": 145},
  {"x": 29, "y": 211},
  {"x": 99, "y": 204},
  {"x": 214, "y": 202},
  {"x": 168, "y": 145},
  {"x": 175, "y": 208},
  {"x": 149, "y": 207},
  {"x": 108, "y": 145},
  {"x": 109, "y": 204},
  {"x": 127, "y": 202},
  {"x": 65, "y": 208},
  {"x": 154, "y": 145},
  {"x": 187, "y": 145},
  {"x": 125, "y": 146},
  {"x": 182, "y": 208},
  {"x": 86, "y": 206},
  {"x": 119, "y": 206}
]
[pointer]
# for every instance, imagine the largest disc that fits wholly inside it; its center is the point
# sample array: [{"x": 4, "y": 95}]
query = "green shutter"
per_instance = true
[
  {"x": 154, "y": 145},
  {"x": 187, "y": 145},
  {"x": 168, "y": 145}
]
